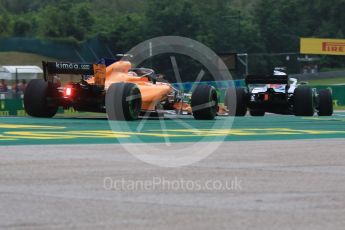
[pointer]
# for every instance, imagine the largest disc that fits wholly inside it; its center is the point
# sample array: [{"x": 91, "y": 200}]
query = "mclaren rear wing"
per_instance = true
[
  {"x": 267, "y": 79},
  {"x": 54, "y": 68}
]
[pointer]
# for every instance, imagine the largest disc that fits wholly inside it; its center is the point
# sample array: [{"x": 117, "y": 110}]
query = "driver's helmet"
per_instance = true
[
  {"x": 133, "y": 74},
  {"x": 278, "y": 71}
]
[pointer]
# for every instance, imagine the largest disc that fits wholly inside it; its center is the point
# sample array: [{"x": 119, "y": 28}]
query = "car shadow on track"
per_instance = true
[{"x": 141, "y": 118}]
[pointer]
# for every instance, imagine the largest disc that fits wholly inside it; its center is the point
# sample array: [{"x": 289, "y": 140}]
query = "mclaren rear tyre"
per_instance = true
[
  {"x": 257, "y": 113},
  {"x": 325, "y": 106},
  {"x": 123, "y": 102},
  {"x": 237, "y": 106},
  {"x": 36, "y": 99},
  {"x": 303, "y": 101},
  {"x": 204, "y": 102}
]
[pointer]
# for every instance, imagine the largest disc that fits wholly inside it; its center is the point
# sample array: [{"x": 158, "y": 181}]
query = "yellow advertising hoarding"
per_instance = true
[{"x": 323, "y": 46}]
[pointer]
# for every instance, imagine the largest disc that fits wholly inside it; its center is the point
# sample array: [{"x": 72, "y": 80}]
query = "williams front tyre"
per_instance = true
[{"x": 325, "y": 103}]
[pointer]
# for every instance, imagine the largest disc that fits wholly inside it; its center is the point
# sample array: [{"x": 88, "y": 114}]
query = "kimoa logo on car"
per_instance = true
[{"x": 61, "y": 65}]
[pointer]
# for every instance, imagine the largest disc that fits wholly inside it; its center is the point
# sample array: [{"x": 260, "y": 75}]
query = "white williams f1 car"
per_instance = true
[{"x": 280, "y": 94}]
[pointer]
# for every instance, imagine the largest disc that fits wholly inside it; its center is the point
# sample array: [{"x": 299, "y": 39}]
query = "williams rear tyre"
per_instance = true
[
  {"x": 123, "y": 102},
  {"x": 239, "y": 107},
  {"x": 303, "y": 104},
  {"x": 257, "y": 113},
  {"x": 35, "y": 99},
  {"x": 325, "y": 106},
  {"x": 204, "y": 102}
]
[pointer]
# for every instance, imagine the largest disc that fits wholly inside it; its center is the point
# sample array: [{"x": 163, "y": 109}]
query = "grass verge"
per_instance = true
[
  {"x": 328, "y": 81},
  {"x": 17, "y": 58}
]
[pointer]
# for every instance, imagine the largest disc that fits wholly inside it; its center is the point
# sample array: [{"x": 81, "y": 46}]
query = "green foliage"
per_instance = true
[
  {"x": 282, "y": 22},
  {"x": 125, "y": 32},
  {"x": 65, "y": 20},
  {"x": 255, "y": 26},
  {"x": 165, "y": 17},
  {"x": 21, "y": 27},
  {"x": 5, "y": 24}
]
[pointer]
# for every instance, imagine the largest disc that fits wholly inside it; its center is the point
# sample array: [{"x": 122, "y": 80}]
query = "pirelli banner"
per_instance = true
[{"x": 323, "y": 46}]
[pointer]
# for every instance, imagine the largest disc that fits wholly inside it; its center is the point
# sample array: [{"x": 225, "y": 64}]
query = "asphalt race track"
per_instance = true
[{"x": 285, "y": 172}]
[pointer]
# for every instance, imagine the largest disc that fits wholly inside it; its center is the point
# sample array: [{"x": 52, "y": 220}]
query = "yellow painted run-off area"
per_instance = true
[{"x": 31, "y": 131}]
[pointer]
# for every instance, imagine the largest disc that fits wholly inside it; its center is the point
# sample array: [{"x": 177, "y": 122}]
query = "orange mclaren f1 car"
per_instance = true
[{"x": 115, "y": 88}]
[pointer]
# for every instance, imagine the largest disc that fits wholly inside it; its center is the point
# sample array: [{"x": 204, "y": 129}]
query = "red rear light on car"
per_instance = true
[{"x": 68, "y": 91}]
